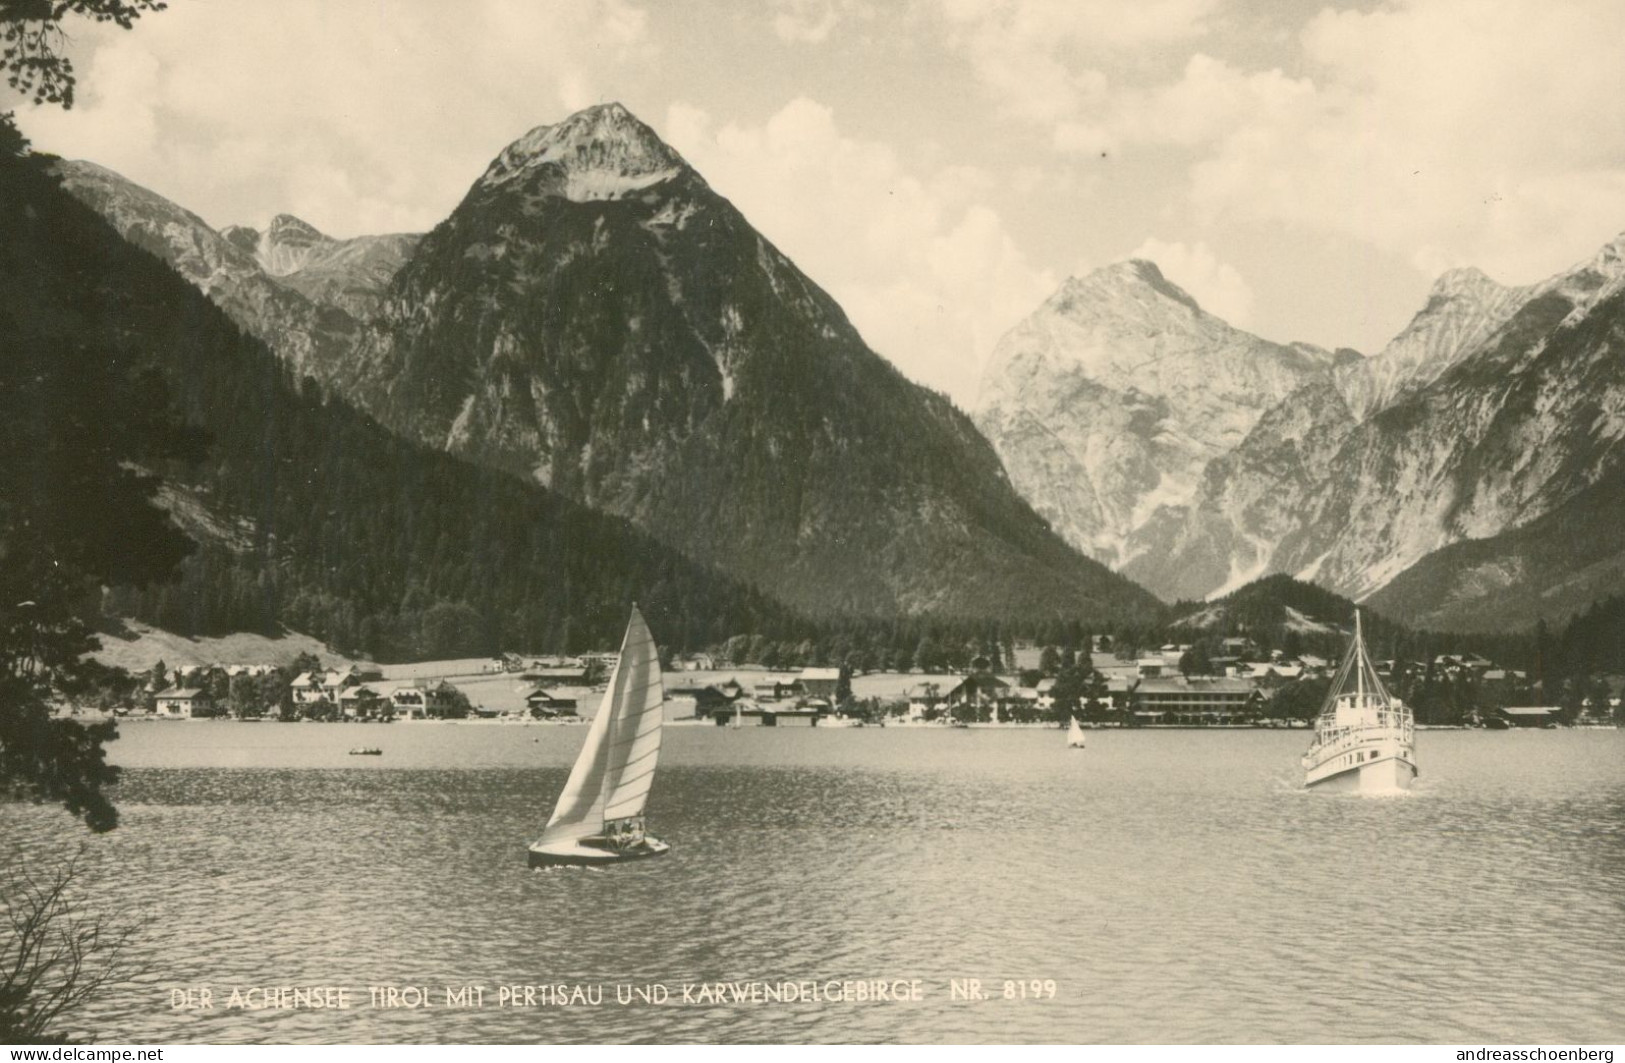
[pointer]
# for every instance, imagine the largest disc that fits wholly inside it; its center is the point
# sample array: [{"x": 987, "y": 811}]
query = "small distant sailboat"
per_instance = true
[
  {"x": 599, "y": 817},
  {"x": 1074, "y": 735},
  {"x": 1365, "y": 738}
]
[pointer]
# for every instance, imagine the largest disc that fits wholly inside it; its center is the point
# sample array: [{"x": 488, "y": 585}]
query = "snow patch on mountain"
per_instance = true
[
  {"x": 457, "y": 435},
  {"x": 1305, "y": 624},
  {"x": 288, "y": 244},
  {"x": 601, "y": 153}
]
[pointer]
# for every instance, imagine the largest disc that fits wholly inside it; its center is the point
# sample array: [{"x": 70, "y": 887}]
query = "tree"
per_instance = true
[
  {"x": 1049, "y": 660},
  {"x": 1097, "y": 697},
  {"x": 455, "y": 702},
  {"x": 1601, "y": 694},
  {"x": 78, "y": 421},
  {"x": 244, "y": 700},
  {"x": 1068, "y": 692},
  {"x": 34, "y": 41},
  {"x": 53, "y": 959},
  {"x": 1299, "y": 700},
  {"x": 595, "y": 672},
  {"x": 736, "y": 649},
  {"x": 927, "y": 657},
  {"x": 304, "y": 662},
  {"x": 1572, "y": 701}
]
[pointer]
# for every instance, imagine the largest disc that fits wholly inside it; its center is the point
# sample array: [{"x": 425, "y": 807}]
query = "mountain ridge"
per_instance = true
[
  {"x": 594, "y": 316},
  {"x": 1109, "y": 400},
  {"x": 308, "y": 513},
  {"x": 1480, "y": 432}
]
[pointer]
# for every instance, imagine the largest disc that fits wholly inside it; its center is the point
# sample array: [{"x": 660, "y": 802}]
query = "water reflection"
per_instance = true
[{"x": 1176, "y": 886}]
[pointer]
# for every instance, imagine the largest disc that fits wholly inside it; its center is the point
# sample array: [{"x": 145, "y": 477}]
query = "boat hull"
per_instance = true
[
  {"x": 1389, "y": 772},
  {"x": 572, "y": 854}
]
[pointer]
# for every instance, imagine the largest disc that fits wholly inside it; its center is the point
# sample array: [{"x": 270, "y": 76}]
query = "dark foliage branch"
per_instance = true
[
  {"x": 81, "y": 418},
  {"x": 34, "y": 57},
  {"x": 52, "y": 957}
]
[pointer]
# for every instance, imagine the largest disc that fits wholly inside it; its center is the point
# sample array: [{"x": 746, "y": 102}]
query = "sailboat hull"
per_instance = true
[{"x": 575, "y": 854}]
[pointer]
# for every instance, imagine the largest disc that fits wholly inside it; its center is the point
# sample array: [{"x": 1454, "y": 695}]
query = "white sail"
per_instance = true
[
  {"x": 1074, "y": 735},
  {"x": 613, "y": 773},
  {"x": 634, "y": 740}
]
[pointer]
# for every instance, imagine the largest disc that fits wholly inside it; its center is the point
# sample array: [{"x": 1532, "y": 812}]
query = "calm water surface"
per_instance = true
[{"x": 1176, "y": 886}]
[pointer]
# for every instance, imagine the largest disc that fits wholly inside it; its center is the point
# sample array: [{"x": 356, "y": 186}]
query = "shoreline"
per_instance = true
[{"x": 700, "y": 721}]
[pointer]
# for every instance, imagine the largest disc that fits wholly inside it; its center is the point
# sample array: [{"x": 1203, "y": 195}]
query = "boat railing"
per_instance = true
[{"x": 1387, "y": 721}]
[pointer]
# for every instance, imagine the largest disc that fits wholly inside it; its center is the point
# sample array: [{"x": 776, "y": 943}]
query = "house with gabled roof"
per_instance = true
[
  {"x": 181, "y": 703},
  {"x": 306, "y": 688},
  {"x": 819, "y": 682}
]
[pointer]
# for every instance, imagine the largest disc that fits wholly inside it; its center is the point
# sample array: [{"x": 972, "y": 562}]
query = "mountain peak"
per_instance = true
[
  {"x": 602, "y": 152},
  {"x": 1121, "y": 279},
  {"x": 285, "y": 228},
  {"x": 1610, "y": 261},
  {"x": 1464, "y": 280},
  {"x": 1150, "y": 274},
  {"x": 243, "y": 237}
]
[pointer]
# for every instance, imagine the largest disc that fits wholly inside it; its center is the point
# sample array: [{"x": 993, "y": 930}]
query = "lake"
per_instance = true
[{"x": 1175, "y": 886}]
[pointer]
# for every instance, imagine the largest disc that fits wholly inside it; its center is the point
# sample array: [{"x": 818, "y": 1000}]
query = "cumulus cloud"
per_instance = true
[
  {"x": 812, "y": 21},
  {"x": 923, "y": 265},
  {"x": 1446, "y": 131},
  {"x": 298, "y": 123},
  {"x": 1042, "y": 59},
  {"x": 1216, "y": 285}
]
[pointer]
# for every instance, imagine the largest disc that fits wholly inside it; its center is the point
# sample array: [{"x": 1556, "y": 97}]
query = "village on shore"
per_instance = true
[{"x": 1172, "y": 686}]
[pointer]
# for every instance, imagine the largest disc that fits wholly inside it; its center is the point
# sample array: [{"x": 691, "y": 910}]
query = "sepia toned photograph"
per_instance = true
[{"x": 898, "y": 522}]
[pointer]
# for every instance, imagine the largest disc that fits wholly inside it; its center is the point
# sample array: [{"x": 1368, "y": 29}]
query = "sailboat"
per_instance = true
[
  {"x": 1074, "y": 735},
  {"x": 1365, "y": 738},
  {"x": 599, "y": 817}
]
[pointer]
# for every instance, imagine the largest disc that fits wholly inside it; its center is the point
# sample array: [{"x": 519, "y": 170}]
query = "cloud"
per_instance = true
[
  {"x": 297, "y": 123},
  {"x": 1209, "y": 103},
  {"x": 1042, "y": 59},
  {"x": 1443, "y": 132},
  {"x": 812, "y": 21},
  {"x": 1194, "y": 267},
  {"x": 1446, "y": 131},
  {"x": 922, "y": 264}
]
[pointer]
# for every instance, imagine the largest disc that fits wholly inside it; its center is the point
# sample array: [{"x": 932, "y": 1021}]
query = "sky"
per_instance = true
[{"x": 1305, "y": 170}]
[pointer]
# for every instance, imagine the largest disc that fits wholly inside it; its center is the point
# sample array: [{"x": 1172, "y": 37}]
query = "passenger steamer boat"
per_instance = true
[
  {"x": 1365, "y": 739},
  {"x": 599, "y": 817}
]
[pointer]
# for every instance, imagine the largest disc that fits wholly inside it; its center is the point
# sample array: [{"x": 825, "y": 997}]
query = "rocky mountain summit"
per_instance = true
[{"x": 1109, "y": 401}]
